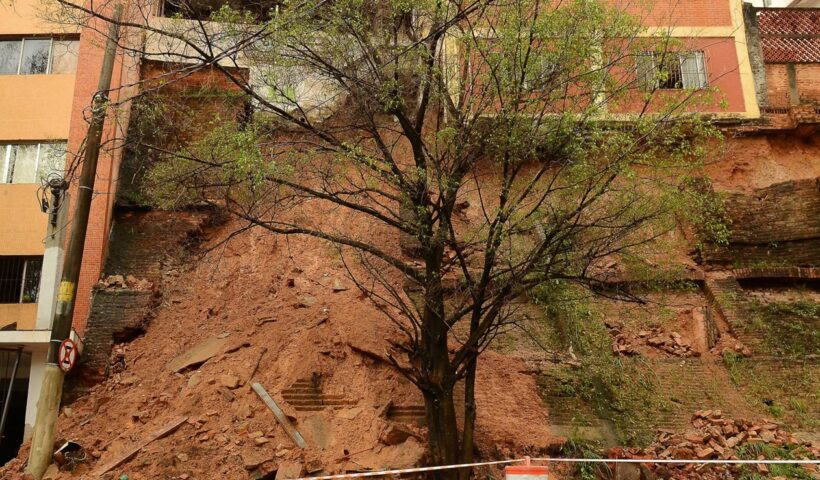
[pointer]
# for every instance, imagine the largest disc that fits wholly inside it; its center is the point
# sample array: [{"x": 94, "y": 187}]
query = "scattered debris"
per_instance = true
[
  {"x": 280, "y": 416},
  {"x": 262, "y": 352},
  {"x": 395, "y": 435},
  {"x": 626, "y": 343},
  {"x": 198, "y": 354},
  {"x": 70, "y": 455},
  {"x": 129, "y": 282},
  {"x": 711, "y": 437},
  {"x": 289, "y": 470},
  {"x": 229, "y": 381},
  {"x": 338, "y": 286},
  {"x": 130, "y": 453}
]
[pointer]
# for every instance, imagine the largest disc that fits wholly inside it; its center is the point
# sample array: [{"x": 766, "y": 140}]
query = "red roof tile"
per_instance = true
[{"x": 790, "y": 35}]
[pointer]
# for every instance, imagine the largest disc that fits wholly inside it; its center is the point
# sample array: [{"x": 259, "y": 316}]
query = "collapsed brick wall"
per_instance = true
[
  {"x": 114, "y": 313},
  {"x": 779, "y": 225},
  {"x": 142, "y": 243}
]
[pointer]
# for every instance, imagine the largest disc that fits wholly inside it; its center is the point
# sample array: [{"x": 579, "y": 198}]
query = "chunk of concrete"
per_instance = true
[
  {"x": 253, "y": 459},
  {"x": 290, "y": 470},
  {"x": 198, "y": 354},
  {"x": 394, "y": 435}
]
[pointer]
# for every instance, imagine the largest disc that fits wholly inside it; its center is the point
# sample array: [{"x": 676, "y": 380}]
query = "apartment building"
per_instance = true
[
  {"x": 713, "y": 54},
  {"x": 48, "y": 75}
]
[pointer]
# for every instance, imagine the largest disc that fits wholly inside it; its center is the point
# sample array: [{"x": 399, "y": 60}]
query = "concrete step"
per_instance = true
[
  {"x": 297, "y": 391},
  {"x": 326, "y": 396},
  {"x": 319, "y": 401}
]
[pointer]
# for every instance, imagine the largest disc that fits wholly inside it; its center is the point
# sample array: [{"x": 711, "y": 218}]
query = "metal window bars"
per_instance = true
[{"x": 20, "y": 279}]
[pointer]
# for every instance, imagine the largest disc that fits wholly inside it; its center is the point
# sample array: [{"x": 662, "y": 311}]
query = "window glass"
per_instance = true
[
  {"x": 25, "y": 164},
  {"x": 10, "y": 152},
  {"x": 64, "y": 55},
  {"x": 11, "y": 279},
  {"x": 20, "y": 279},
  {"x": 35, "y": 56},
  {"x": 52, "y": 160},
  {"x": 31, "y": 281},
  {"x": 9, "y": 56},
  {"x": 693, "y": 70}
]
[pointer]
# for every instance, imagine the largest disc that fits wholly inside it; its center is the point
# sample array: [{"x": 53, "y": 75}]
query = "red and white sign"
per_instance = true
[
  {"x": 67, "y": 355},
  {"x": 526, "y": 472}
]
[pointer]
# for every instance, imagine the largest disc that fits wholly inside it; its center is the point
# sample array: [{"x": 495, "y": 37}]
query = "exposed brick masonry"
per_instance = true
[
  {"x": 141, "y": 243},
  {"x": 775, "y": 226}
]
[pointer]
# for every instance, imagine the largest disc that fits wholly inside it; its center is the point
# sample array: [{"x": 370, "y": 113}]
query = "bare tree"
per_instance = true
[{"x": 507, "y": 143}]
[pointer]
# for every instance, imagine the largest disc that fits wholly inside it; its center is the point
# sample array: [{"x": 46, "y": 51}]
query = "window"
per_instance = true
[
  {"x": 31, "y": 162},
  {"x": 672, "y": 70},
  {"x": 34, "y": 56},
  {"x": 64, "y": 55},
  {"x": 20, "y": 279},
  {"x": 262, "y": 10},
  {"x": 541, "y": 74}
]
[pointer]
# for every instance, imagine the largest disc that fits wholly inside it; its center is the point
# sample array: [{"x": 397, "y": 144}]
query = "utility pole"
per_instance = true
[{"x": 48, "y": 407}]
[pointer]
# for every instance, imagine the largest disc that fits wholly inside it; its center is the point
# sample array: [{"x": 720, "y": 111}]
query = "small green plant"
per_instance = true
[
  {"x": 578, "y": 448},
  {"x": 617, "y": 389},
  {"x": 753, "y": 451},
  {"x": 788, "y": 328},
  {"x": 776, "y": 411}
]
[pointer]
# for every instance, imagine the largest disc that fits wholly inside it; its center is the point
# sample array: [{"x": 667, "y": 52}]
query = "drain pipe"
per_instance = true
[{"x": 8, "y": 395}]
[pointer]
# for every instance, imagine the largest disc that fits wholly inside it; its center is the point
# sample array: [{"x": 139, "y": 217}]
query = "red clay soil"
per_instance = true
[
  {"x": 263, "y": 292},
  {"x": 748, "y": 163}
]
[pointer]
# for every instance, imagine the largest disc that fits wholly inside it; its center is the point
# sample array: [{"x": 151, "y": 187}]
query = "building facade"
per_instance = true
[{"x": 48, "y": 75}]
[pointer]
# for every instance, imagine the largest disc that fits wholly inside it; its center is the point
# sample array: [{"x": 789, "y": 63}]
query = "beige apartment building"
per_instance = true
[{"x": 44, "y": 101}]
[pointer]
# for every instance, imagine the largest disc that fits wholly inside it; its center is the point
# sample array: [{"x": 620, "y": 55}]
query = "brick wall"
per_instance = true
[
  {"x": 188, "y": 106},
  {"x": 126, "y": 72},
  {"x": 808, "y": 84},
  {"x": 689, "y": 13},
  {"x": 774, "y": 225},
  {"x": 114, "y": 313},
  {"x": 142, "y": 243},
  {"x": 777, "y": 85},
  {"x": 781, "y": 212}
]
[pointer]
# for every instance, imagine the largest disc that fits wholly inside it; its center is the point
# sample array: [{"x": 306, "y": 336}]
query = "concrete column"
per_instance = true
[
  {"x": 755, "y": 53},
  {"x": 52, "y": 267},
  {"x": 35, "y": 383},
  {"x": 794, "y": 95}
]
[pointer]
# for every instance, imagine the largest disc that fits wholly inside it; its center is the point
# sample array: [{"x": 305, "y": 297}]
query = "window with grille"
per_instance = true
[
  {"x": 672, "y": 70},
  {"x": 20, "y": 279}
]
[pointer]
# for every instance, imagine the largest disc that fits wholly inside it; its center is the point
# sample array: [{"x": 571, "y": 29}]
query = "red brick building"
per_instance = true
[{"x": 784, "y": 47}]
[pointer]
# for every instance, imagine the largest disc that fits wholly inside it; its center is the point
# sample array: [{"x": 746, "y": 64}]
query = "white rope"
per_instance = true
[
  {"x": 565, "y": 460},
  {"x": 672, "y": 460},
  {"x": 409, "y": 470}
]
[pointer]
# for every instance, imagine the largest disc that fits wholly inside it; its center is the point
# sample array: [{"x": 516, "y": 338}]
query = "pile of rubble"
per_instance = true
[
  {"x": 129, "y": 282},
  {"x": 626, "y": 343},
  {"x": 713, "y": 437}
]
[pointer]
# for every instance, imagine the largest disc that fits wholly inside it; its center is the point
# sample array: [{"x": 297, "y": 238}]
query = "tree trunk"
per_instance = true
[
  {"x": 442, "y": 432},
  {"x": 468, "y": 437},
  {"x": 437, "y": 372}
]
